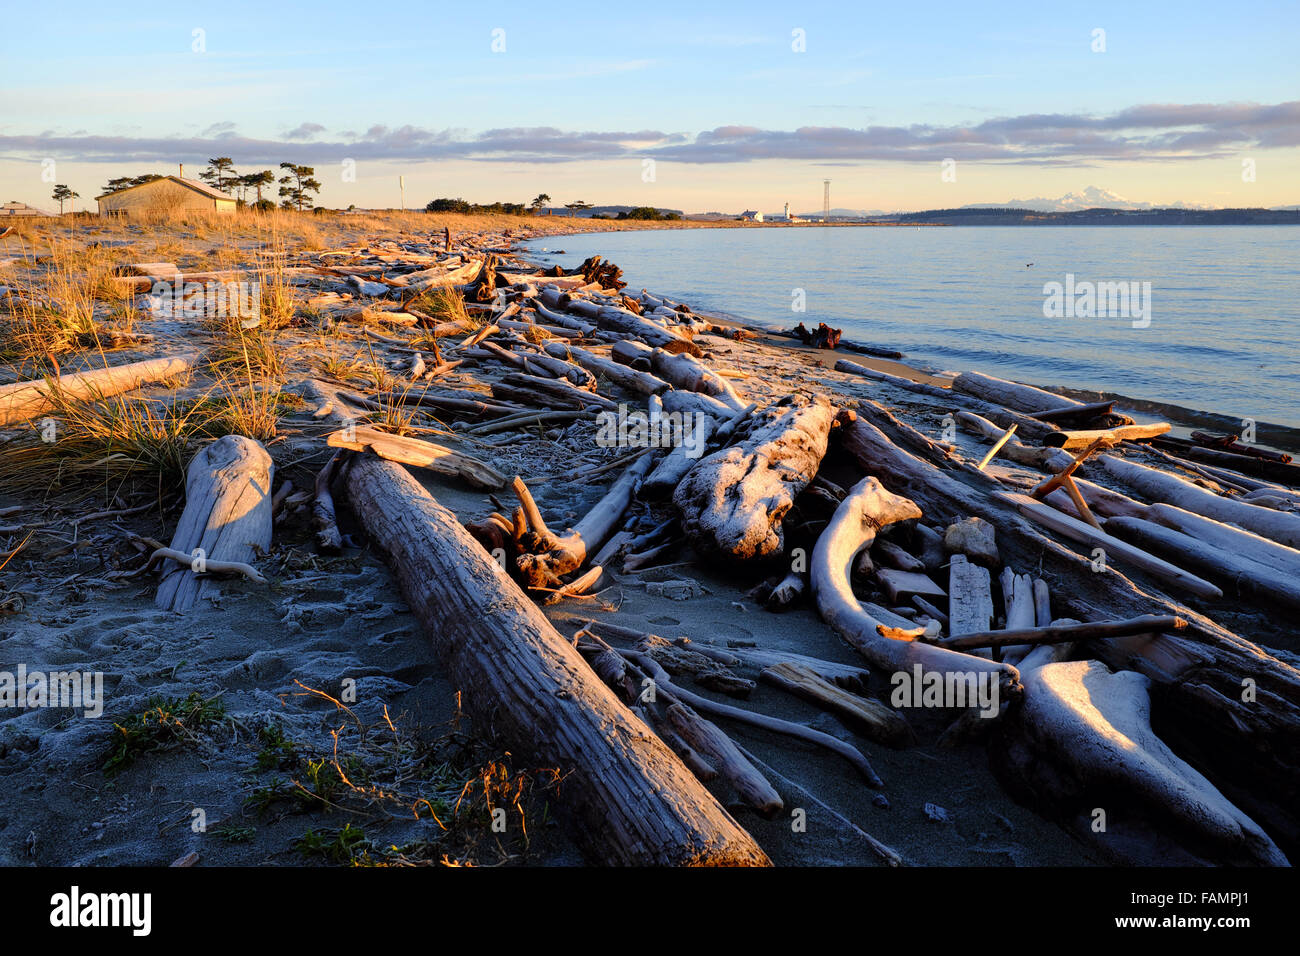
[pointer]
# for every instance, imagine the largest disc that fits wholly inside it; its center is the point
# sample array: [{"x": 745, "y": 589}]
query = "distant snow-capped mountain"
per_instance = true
[{"x": 1090, "y": 197}]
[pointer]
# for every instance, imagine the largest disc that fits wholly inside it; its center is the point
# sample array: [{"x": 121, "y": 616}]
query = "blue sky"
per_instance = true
[{"x": 582, "y": 93}]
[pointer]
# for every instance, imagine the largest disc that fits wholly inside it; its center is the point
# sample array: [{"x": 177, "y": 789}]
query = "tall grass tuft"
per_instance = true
[
  {"x": 57, "y": 312},
  {"x": 132, "y": 437}
]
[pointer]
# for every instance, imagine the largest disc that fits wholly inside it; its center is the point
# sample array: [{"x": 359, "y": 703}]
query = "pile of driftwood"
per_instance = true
[{"x": 1086, "y": 613}]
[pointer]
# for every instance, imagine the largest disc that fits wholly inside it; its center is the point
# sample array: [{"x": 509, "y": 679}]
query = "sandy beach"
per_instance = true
[{"x": 309, "y": 719}]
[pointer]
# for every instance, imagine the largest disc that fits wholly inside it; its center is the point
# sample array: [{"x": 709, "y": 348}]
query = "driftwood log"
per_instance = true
[
  {"x": 1241, "y": 576},
  {"x": 1113, "y": 548},
  {"x": 1074, "y": 440},
  {"x": 868, "y": 508},
  {"x": 621, "y": 320},
  {"x": 622, "y": 375},
  {"x": 867, "y": 716},
  {"x": 733, "y": 501},
  {"x": 672, "y": 468},
  {"x": 680, "y": 370},
  {"x": 627, "y": 798},
  {"x": 1024, "y": 398},
  {"x": 1035, "y": 457},
  {"x": 1064, "y": 633},
  {"x": 1244, "y": 544},
  {"x": 1082, "y": 741},
  {"x": 23, "y": 400},
  {"x": 995, "y": 412},
  {"x": 227, "y": 515},
  {"x": 1280, "y": 526},
  {"x": 323, "y": 516},
  {"x": 1241, "y": 464},
  {"x": 1077, "y": 414},
  {"x": 422, "y": 454}
]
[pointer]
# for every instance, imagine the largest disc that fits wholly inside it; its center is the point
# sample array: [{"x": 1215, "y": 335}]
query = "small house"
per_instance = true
[{"x": 166, "y": 196}]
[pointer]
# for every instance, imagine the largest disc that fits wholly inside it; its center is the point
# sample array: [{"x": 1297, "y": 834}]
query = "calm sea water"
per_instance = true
[{"x": 1224, "y": 332}]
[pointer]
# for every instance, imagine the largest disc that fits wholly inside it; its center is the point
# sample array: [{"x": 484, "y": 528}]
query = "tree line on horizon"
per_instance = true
[
  {"x": 298, "y": 188},
  {"x": 539, "y": 203}
]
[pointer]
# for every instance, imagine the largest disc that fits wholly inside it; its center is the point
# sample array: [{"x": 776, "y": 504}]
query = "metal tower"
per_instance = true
[{"x": 826, "y": 200}]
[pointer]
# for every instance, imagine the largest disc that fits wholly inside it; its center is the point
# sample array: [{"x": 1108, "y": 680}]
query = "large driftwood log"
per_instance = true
[
  {"x": 563, "y": 319},
  {"x": 1024, "y": 398},
  {"x": 1253, "y": 547},
  {"x": 1075, "y": 440},
  {"x": 1113, "y": 547},
  {"x": 868, "y": 508},
  {"x": 1198, "y": 672},
  {"x": 628, "y": 799},
  {"x": 23, "y": 400},
  {"x": 1077, "y": 414},
  {"x": 1242, "y": 576},
  {"x": 227, "y": 515},
  {"x": 1279, "y": 526},
  {"x": 439, "y": 277},
  {"x": 850, "y": 367},
  {"x": 1082, "y": 740},
  {"x": 732, "y": 502},
  {"x": 540, "y": 280}
]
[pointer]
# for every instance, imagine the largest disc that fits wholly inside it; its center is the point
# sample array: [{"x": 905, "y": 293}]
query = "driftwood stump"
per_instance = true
[
  {"x": 732, "y": 502},
  {"x": 1082, "y": 741},
  {"x": 227, "y": 515}
]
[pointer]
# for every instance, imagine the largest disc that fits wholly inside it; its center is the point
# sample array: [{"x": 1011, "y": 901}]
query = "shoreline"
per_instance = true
[{"x": 1269, "y": 435}]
